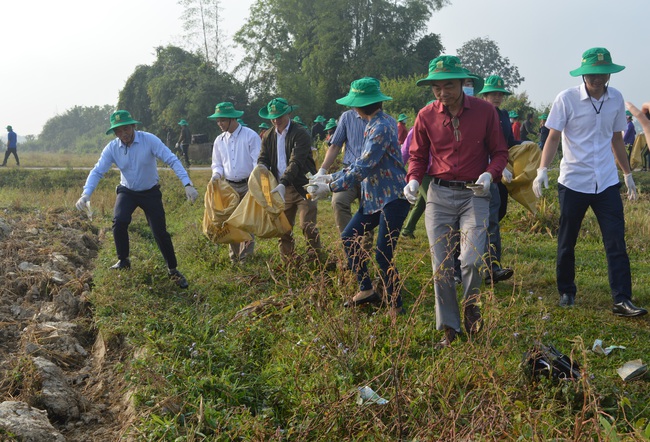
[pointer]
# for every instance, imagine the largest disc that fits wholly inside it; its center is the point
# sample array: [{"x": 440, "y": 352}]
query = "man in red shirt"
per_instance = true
[
  {"x": 461, "y": 135},
  {"x": 402, "y": 131}
]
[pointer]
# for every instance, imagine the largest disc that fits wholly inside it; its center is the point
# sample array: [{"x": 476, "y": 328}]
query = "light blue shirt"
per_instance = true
[
  {"x": 350, "y": 130},
  {"x": 137, "y": 163}
]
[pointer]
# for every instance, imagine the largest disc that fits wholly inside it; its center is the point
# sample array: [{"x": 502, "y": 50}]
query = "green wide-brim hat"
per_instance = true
[
  {"x": 225, "y": 110},
  {"x": 182, "y": 123},
  {"x": 363, "y": 92},
  {"x": 513, "y": 114},
  {"x": 9, "y": 128},
  {"x": 264, "y": 126},
  {"x": 628, "y": 113},
  {"x": 331, "y": 124},
  {"x": 494, "y": 83},
  {"x": 120, "y": 118},
  {"x": 445, "y": 67},
  {"x": 543, "y": 117},
  {"x": 241, "y": 122},
  {"x": 276, "y": 108},
  {"x": 402, "y": 117},
  {"x": 596, "y": 61},
  {"x": 320, "y": 119}
]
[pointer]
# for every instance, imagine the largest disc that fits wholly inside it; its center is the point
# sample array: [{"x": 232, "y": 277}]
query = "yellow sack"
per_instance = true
[
  {"x": 220, "y": 202},
  {"x": 640, "y": 143},
  {"x": 261, "y": 212},
  {"x": 523, "y": 162}
]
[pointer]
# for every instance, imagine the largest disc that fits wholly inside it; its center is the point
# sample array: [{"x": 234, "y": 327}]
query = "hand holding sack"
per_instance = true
[{"x": 261, "y": 212}]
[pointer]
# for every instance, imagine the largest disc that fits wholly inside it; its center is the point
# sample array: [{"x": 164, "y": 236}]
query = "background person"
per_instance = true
[
  {"x": 135, "y": 154},
  {"x": 590, "y": 119},
  {"x": 516, "y": 124},
  {"x": 380, "y": 172},
  {"x": 528, "y": 128},
  {"x": 402, "y": 131},
  {"x": 630, "y": 134},
  {"x": 234, "y": 156},
  {"x": 12, "y": 146},
  {"x": 184, "y": 141}
]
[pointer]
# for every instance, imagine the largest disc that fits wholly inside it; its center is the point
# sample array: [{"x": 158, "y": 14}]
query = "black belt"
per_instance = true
[
  {"x": 456, "y": 185},
  {"x": 237, "y": 182}
]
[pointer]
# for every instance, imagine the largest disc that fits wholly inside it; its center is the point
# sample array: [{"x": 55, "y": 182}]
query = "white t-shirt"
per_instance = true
[
  {"x": 588, "y": 163},
  {"x": 234, "y": 155}
]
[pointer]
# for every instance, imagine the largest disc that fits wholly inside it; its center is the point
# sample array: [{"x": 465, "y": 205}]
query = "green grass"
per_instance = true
[{"x": 289, "y": 370}]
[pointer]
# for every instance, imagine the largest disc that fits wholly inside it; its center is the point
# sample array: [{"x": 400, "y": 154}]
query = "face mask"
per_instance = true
[{"x": 469, "y": 90}]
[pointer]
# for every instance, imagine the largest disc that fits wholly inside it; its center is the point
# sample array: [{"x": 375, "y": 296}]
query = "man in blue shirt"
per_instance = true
[
  {"x": 12, "y": 144},
  {"x": 135, "y": 154}
]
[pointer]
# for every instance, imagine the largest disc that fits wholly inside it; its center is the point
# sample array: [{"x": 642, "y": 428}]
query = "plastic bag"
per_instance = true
[
  {"x": 220, "y": 202},
  {"x": 260, "y": 212},
  {"x": 523, "y": 162},
  {"x": 548, "y": 362}
]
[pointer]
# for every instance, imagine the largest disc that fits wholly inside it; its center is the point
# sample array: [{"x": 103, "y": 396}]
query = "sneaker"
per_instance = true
[
  {"x": 122, "y": 264},
  {"x": 178, "y": 278}
]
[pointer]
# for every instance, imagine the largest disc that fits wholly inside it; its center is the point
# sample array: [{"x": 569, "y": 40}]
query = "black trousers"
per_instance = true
[
  {"x": 11, "y": 150},
  {"x": 150, "y": 201}
]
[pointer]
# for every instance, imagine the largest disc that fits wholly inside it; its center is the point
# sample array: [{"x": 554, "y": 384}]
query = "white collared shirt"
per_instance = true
[
  {"x": 234, "y": 155},
  {"x": 588, "y": 163},
  {"x": 282, "y": 152}
]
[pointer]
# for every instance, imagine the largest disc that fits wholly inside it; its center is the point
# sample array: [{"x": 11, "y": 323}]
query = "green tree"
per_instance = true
[
  {"x": 481, "y": 56},
  {"x": 79, "y": 129},
  {"x": 309, "y": 52}
]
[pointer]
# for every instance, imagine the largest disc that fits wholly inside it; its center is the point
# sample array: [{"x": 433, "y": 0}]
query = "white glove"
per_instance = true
[
  {"x": 320, "y": 173},
  {"x": 631, "y": 187},
  {"x": 484, "y": 179},
  {"x": 85, "y": 199},
  {"x": 411, "y": 191},
  {"x": 191, "y": 193},
  {"x": 542, "y": 178},
  {"x": 318, "y": 190},
  {"x": 326, "y": 179},
  {"x": 215, "y": 177},
  {"x": 280, "y": 189},
  {"x": 507, "y": 176}
]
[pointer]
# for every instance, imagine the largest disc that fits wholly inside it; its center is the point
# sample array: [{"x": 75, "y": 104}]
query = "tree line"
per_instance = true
[{"x": 307, "y": 52}]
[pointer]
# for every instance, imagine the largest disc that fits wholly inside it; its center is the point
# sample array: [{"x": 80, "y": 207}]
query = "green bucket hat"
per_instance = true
[
  {"x": 264, "y": 126},
  {"x": 445, "y": 67},
  {"x": 513, "y": 114},
  {"x": 241, "y": 122},
  {"x": 225, "y": 110},
  {"x": 320, "y": 119},
  {"x": 402, "y": 117},
  {"x": 596, "y": 61},
  {"x": 120, "y": 118},
  {"x": 363, "y": 92},
  {"x": 299, "y": 121},
  {"x": 543, "y": 117},
  {"x": 628, "y": 113},
  {"x": 494, "y": 83},
  {"x": 331, "y": 124},
  {"x": 182, "y": 123},
  {"x": 276, "y": 108},
  {"x": 9, "y": 128}
]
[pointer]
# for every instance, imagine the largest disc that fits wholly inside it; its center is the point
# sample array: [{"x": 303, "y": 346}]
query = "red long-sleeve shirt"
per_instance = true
[{"x": 481, "y": 146}]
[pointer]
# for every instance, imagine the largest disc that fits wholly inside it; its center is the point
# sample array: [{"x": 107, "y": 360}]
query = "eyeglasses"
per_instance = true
[{"x": 454, "y": 124}]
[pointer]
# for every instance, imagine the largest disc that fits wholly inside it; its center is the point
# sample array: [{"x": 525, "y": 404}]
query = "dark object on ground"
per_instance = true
[{"x": 547, "y": 361}]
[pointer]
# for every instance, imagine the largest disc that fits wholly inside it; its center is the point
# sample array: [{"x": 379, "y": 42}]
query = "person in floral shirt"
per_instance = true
[{"x": 380, "y": 171}]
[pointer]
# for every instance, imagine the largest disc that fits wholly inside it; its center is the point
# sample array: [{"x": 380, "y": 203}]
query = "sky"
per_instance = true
[{"x": 68, "y": 53}]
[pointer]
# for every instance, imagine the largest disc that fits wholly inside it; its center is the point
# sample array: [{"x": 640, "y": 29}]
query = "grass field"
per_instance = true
[{"x": 289, "y": 367}]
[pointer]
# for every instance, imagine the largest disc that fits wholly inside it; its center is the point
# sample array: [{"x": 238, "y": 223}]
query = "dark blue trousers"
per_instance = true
[
  {"x": 608, "y": 208},
  {"x": 150, "y": 201},
  {"x": 389, "y": 221}
]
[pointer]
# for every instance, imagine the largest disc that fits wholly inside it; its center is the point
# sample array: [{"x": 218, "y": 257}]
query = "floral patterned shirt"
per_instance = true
[{"x": 379, "y": 168}]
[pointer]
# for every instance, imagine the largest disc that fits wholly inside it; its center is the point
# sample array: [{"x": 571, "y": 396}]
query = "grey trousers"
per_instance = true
[{"x": 450, "y": 216}]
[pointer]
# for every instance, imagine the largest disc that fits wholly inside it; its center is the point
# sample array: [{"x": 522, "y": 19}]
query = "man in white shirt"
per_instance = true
[
  {"x": 590, "y": 119},
  {"x": 234, "y": 156}
]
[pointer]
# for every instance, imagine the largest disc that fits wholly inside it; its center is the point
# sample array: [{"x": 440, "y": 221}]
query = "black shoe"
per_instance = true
[
  {"x": 450, "y": 336},
  {"x": 407, "y": 234},
  {"x": 372, "y": 298},
  {"x": 472, "y": 319},
  {"x": 122, "y": 264},
  {"x": 628, "y": 310},
  {"x": 178, "y": 278},
  {"x": 497, "y": 275},
  {"x": 567, "y": 299}
]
